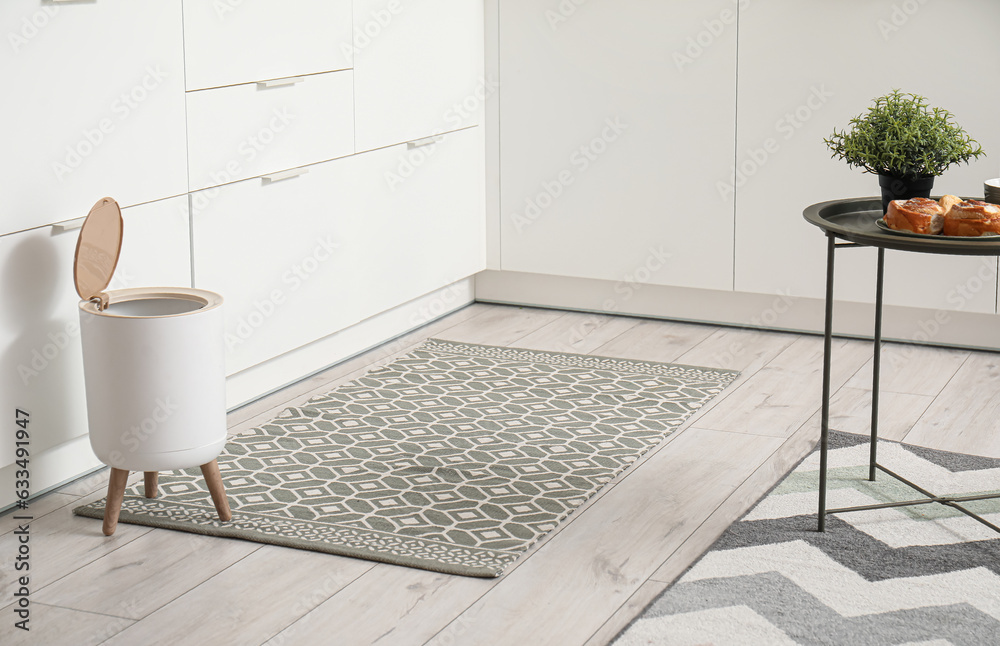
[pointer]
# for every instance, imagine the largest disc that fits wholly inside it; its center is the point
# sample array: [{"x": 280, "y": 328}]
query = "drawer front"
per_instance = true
[
  {"x": 423, "y": 213},
  {"x": 418, "y": 69},
  {"x": 94, "y": 105},
  {"x": 273, "y": 251},
  {"x": 247, "y": 130},
  {"x": 231, "y": 41},
  {"x": 305, "y": 257},
  {"x": 40, "y": 337}
]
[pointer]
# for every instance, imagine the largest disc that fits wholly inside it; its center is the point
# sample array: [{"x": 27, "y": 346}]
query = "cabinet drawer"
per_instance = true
[
  {"x": 303, "y": 258},
  {"x": 273, "y": 250},
  {"x": 418, "y": 69},
  {"x": 246, "y": 130},
  {"x": 231, "y": 41},
  {"x": 94, "y": 105},
  {"x": 40, "y": 336}
]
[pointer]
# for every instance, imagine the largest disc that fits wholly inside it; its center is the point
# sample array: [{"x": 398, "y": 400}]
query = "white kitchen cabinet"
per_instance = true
[
  {"x": 94, "y": 105},
  {"x": 418, "y": 69},
  {"x": 421, "y": 219},
  {"x": 268, "y": 127},
  {"x": 301, "y": 258},
  {"x": 796, "y": 84},
  {"x": 41, "y": 366},
  {"x": 233, "y": 41},
  {"x": 615, "y": 127}
]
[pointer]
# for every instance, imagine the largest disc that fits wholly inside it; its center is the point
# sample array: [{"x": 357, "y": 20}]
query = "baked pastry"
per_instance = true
[
  {"x": 971, "y": 218},
  {"x": 947, "y": 202},
  {"x": 917, "y": 214}
]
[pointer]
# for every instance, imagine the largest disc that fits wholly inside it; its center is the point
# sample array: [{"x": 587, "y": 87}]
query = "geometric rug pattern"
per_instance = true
[
  {"x": 925, "y": 574},
  {"x": 454, "y": 458}
]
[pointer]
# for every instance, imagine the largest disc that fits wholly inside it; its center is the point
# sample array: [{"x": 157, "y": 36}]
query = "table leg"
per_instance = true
[
  {"x": 113, "y": 504},
  {"x": 876, "y": 362},
  {"x": 827, "y": 349}
]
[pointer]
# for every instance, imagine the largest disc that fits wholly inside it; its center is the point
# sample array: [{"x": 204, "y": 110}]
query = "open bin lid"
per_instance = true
[{"x": 97, "y": 251}]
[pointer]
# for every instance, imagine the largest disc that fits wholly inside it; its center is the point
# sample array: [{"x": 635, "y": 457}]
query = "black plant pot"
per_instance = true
[{"x": 898, "y": 188}]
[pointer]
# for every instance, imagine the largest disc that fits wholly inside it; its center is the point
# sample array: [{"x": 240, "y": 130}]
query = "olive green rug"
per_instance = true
[{"x": 455, "y": 458}]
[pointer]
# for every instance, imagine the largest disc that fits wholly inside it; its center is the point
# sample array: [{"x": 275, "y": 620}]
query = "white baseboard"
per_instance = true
[
  {"x": 274, "y": 374},
  {"x": 759, "y": 311}
]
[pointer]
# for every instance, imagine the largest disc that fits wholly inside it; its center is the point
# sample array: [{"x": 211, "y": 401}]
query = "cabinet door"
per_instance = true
[
  {"x": 418, "y": 69},
  {"x": 231, "y": 41},
  {"x": 798, "y": 84},
  {"x": 305, "y": 257},
  {"x": 94, "y": 106},
  {"x": 615, "y": 126},
  {"x": 267, "y": 128},
  {"x": 41, "y": 365}
]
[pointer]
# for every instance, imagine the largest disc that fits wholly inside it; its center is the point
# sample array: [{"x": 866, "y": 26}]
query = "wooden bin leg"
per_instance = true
[
  {"x": 113, "y": 506},
  {"x": 216, "y": 488},
  {"x": 149, "y": 483}
]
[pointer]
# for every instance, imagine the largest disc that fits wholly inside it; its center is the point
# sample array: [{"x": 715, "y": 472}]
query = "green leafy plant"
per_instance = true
[{"x": 903, "y": 137}]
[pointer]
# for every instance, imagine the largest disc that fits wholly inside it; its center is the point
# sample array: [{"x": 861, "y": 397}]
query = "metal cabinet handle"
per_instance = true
[
  {"x": 290, "y": 80},
  {"x": 285, "y": 174},
  {"x": 426, "y": 141},
  {"x": 68, "y": 225}
]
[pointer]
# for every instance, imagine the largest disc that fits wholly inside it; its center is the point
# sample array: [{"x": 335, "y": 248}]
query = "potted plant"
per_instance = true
[{"x": 905, "y": 142}]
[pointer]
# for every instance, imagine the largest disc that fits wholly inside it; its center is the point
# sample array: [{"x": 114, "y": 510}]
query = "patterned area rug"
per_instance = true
[
  {"x": 455, "y": 458},
  {"x": 911, "y": 575}
]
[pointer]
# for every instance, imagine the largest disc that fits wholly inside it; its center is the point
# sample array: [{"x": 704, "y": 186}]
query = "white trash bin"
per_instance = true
[{"x": 154, "y": 367}]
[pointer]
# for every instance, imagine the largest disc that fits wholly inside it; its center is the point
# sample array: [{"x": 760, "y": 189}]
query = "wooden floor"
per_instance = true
[{"x": 579, "y": 586}]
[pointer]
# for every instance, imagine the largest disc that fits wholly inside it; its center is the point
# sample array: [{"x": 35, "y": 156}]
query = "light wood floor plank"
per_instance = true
[
  {"x": 785, "y": 393},
  {"x": 740, "y": 349},
  {"x": 578, "y": 332},
  {"x": 912, "y": 369},
  {"x": 965, "y": 417},
  {"x": 851, "y": 412},
  {"x": 61, "y": 543},
  {"x": 248, "y": 602},
  {"x": 500, "y": 325},
  {"x": 53, "y": 626},
  {"x": 412, "y": 606},
  {"x": 592, "y": 566},
  {"x": 35, "y": 510},
  {"x": 656, "y": 341},
  {"x": 146, "y": 574}
]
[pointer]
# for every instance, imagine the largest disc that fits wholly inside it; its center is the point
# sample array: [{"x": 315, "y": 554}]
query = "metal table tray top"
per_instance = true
[{"x": 854, "y": 220}]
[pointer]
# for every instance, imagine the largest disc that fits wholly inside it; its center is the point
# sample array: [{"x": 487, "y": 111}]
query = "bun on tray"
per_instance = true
[
  {"x": 971, "y": 218},
  {"x": 917, "y": 214}
]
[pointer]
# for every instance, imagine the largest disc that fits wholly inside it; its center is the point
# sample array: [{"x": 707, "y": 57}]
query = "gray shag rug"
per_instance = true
[
  {"x": 923, "y": 575},
  {"x": 454, "y": 458}
]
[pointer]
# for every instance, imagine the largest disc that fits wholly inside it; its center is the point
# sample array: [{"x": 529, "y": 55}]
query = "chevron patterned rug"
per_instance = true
[
  {"x": 455, "y": 458},
  {"x": 923, "y": 575}
]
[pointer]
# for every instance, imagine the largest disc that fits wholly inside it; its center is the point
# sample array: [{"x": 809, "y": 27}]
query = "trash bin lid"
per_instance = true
[{"x": 97, "y": 250}]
